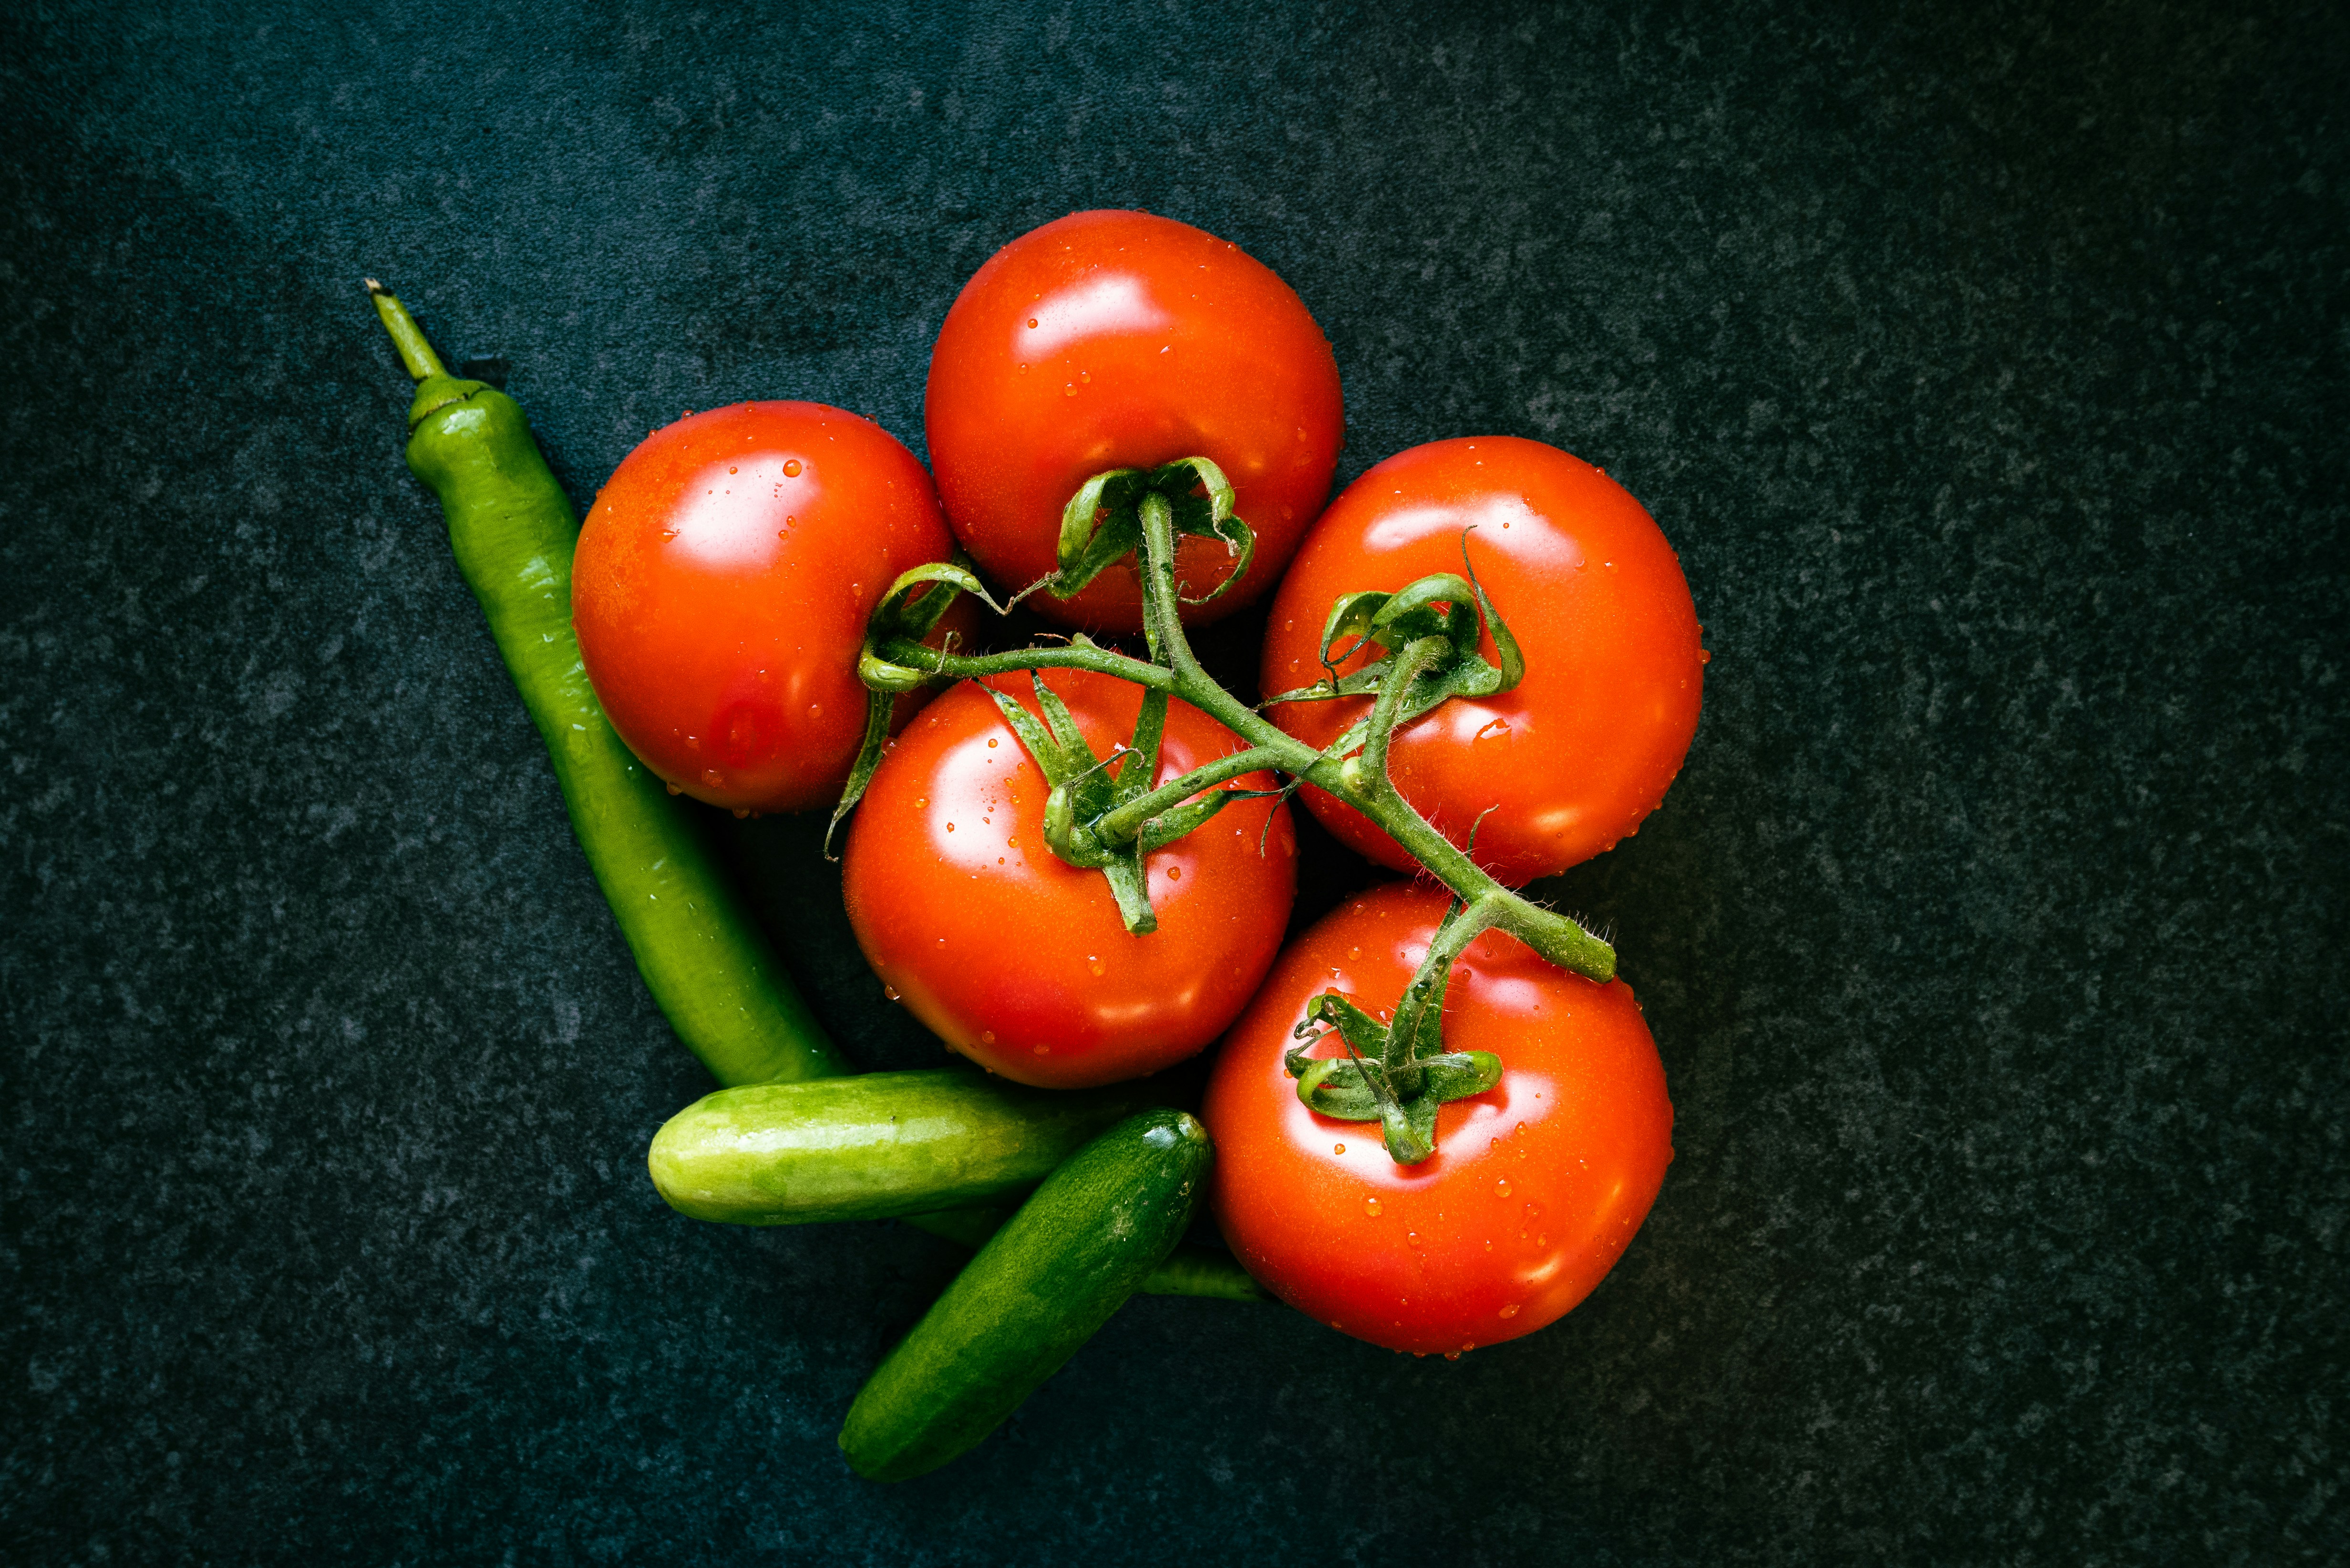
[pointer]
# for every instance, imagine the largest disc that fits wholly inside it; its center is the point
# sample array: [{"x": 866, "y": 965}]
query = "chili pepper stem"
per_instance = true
[{"x": 415, "y": 349}]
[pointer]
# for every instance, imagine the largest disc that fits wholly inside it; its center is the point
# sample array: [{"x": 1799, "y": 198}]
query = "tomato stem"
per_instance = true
[{"x": 1408, "y": 688}]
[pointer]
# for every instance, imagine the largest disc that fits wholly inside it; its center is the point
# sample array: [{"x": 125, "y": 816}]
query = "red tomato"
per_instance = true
[
  {"x": 1580, "y": 750},
  {"x": 1018, "y": 960},
  {"x": 721, "y": 590},
  {"x": 1123, "y": 340},
  {"x": 1535, "y": 1188}
]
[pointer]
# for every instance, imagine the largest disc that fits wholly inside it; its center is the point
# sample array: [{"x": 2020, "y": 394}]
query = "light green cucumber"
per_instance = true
[{"x": 877, "y": 1146}]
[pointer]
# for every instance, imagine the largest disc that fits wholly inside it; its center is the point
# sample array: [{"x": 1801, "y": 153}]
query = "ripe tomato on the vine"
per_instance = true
[
  {"x": 1018, "y": 960},
  {"x": 1535, "y": 1188},
  {"x": 721, "y": 590},
  {"x": 1115, "y": 339},
  {"x": 1573, "y": 757}
]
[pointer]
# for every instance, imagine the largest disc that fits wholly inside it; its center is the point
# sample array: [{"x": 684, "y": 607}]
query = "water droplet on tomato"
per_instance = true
[
  {"x": 950, "y": 828},
  {"x": 1174, "y": 873},
  {"x": 711, "y": 776},
  {"x": 991, "y": 745},
  {"x": 1096, "y": 965},
  {"x": 1371, "y": 1207},
  {"x": 1070, "y": 390},
  {"x": 1086, "y": 376},
  {"x": 1501, "y": 1187},
  {"x": 889, "y": 994},
  {"x": 677, "y": 789},
  {"x": 816, "y": 710},
  {"x": 1338, "y": 1149},
  {"x": 1032, "y": 321},
  {"x": 1494, "y": 729},
  {"x": 742, "y": 813},
  {"x": 1044, "y": 1050},
  {"x": 1703, "y": 656},
  {"x": 669, "y": 532},
  {"x": 987, "y": 1036},
  {"x": 1454, "y": 1354},
  {"x": 792, "y": 468},
  {"x": 1510, "y": 1311}
]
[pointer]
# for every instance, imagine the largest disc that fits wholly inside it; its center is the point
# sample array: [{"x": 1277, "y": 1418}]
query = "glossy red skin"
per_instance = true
[
  {"x": 1536, "y": 1186},
  {"x": 1018, "y": 961},
  {"x": 1153, "y": 341},
  {"x": 721, "y": 590},
  {"x": 1582, "y": 749}
]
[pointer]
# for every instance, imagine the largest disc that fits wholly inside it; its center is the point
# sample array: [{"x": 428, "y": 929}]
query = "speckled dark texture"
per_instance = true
[{"x": 1987, "y": 368}]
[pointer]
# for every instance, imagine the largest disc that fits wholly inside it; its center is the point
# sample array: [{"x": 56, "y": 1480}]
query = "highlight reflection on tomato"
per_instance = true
[
  {"x": 1536, "y": 1186},
  {"x": 720, "y": 588},
  {"x": 1019, "y": 960},
  {"x": 1579, "y": 752},
  {"x": 1115, "y": 339}
]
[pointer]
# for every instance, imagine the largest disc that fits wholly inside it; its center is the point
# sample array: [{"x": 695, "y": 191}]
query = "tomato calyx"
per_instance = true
[
  {"x": 1397, "y": 1074},
  {"x": 1084, "y": 788},
  {"x": 1102, "y": 523},
  {"x": 1428, "y": 635}
]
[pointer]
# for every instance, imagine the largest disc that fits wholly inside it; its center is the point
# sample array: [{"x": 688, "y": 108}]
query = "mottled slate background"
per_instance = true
[{"x": 1985, "y": 363}]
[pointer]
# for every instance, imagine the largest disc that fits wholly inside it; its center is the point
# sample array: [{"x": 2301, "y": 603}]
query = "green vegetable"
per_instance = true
[
  {"x": 1038, "y": 1290},
  {"x": 514, "y": 531},
  {"x": 875, "y": 1146}
]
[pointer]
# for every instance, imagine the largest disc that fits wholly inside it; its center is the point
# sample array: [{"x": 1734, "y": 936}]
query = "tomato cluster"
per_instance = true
[{"x": 724, "y": 581}]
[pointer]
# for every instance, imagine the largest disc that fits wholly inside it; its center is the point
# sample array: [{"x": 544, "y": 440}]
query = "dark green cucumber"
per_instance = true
[
  {"x": 513, "y": 530},
  {"x": 1083, "y": 1243},
  {"x": 875, "y": 1146}
]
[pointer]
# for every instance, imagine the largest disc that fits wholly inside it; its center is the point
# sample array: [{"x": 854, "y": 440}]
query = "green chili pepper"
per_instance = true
[{"x": 514, "y": 531}]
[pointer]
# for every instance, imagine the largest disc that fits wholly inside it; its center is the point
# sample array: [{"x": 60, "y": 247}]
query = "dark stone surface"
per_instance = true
[{"x": 1987, "y": 365}]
